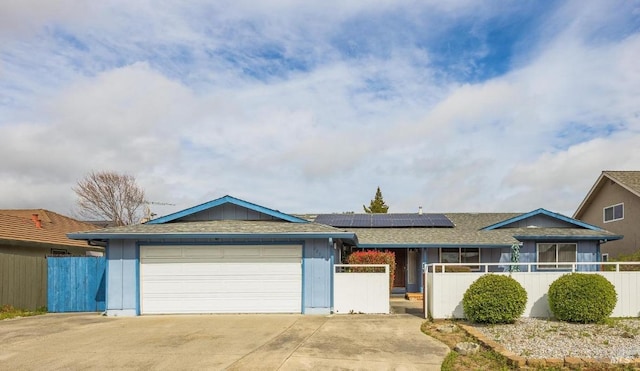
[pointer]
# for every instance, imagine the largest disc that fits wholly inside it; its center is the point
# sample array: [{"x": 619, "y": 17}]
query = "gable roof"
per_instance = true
[
  {"x": 470, "y": 231},
  {"x": 227, "y": 200},
  {"x": 629, "y": 180},
  {"x": 18, "y": 226},
  {"x": 545, "y": 212}
]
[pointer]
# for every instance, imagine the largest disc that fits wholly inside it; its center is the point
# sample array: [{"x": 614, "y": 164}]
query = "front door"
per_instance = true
[{"x": 401, "y": 267}]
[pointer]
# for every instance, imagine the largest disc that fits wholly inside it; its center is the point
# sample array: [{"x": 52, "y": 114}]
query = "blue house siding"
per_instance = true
[
  {"x": 540, "y": 221},
  {"x": 122, "y": 278},
  {"x": 587, "y": 251},
  {"x": 228, "y": 212},
  {"x": 123, "y": 292},
  {"x": 316, "y": 280}
]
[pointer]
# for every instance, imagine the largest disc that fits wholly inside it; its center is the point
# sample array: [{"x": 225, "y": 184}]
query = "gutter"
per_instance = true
[
  {"x": 148, "y": 236},
  {"x": 570, "y": 238}
]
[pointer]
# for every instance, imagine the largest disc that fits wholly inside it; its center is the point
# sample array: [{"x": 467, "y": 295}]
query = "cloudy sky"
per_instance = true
[{"x": 458, "y": 105}]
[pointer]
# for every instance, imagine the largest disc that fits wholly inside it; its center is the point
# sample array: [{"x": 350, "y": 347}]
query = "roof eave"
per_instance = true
[
  {"x": 569, "y": 238},
  {"x": 589, "y": 195},
  {"x": 47, "y": 245},
  {"x": 431, "y": 245},
  {"x": 545, "y": 212},
  {"x": 131, "y": 236}
]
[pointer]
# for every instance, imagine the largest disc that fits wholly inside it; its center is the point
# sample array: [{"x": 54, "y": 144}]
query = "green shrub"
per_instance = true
[
  {"x": 494, "y": 299},
  {"x": 582, "y": 298},
  {"x": 375, "y": 257}
]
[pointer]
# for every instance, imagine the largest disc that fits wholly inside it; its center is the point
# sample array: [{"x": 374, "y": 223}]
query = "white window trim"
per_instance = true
[
  {"x": 557, "y": 263},
  {"x": 605, "y": 257},
  {"x": 472, "y": 267},
  {"x": 604, "y": 220}
]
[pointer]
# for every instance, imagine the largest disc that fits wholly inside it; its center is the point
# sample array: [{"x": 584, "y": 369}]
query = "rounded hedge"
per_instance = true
[
  {"x": 582, "y": 298},
  {"x": 494, "y": 298}
]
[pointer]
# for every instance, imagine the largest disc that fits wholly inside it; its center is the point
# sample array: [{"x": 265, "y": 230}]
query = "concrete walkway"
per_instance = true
[{"x": 216, "y": 342}]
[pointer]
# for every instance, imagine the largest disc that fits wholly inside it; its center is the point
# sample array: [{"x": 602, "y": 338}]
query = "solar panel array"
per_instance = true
[{"x": 385, "y": 220}]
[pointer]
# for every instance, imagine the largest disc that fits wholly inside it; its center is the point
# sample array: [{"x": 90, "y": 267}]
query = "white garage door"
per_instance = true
[{"x": 220, "y": 279}]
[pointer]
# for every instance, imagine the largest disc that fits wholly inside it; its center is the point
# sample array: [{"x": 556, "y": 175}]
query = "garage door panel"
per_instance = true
[
  {"x": 225, "y": 305},
  {"x": 242, "y": 251},
  {"x": 230, "y": 287},
  {"x": 221, "y": 269},
  {"x": 203, "y": 252},
  {"x": 221, "y": 279}
]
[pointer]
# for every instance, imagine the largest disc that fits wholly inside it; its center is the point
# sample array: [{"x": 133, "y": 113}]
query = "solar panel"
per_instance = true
[{"x": 385, "y": 220}]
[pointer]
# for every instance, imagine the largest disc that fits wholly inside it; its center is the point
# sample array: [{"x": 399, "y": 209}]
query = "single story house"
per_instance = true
[
  {"x": 223, "y": 256},
  {"x": 233, "y": 256},
  {"x": 39, "y": 232},
  {"x": 473, "y": 238}
]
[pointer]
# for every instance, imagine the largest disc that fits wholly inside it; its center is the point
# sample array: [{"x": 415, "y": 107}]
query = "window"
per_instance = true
[
  {"x": 460, "y": 255},
  {"x": 556, "y": 253},
  {"x": 613, "y": 213},
  {"x": 605, "y": 257}
]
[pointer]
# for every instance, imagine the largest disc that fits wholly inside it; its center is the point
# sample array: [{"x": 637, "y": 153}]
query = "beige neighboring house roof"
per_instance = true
[
  {"x": 40, "y": 226},
  {"x": 629, "y": 180}
]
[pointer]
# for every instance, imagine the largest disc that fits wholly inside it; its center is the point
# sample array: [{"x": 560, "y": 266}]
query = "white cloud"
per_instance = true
[{"x": 181, "y": 97}]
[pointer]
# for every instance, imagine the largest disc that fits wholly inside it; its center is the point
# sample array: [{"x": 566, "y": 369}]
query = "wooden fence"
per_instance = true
[
  {"x": 23, "y": 281},
  {"x": 76, "y": 284}
]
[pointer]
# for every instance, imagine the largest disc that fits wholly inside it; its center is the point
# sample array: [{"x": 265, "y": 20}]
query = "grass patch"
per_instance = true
[
  {"x": 485, "y": 359},
  {"x": 8, "y": 311},
  {"x": 449, "y": 361}
]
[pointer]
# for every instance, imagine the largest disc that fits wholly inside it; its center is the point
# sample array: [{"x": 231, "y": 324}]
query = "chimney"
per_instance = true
[
  {"x": 419, "y": 210},
  {"x": 36, "y": 220}
]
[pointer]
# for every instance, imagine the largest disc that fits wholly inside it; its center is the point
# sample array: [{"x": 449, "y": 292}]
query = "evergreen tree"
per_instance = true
[{"x": 377, "y": 205}]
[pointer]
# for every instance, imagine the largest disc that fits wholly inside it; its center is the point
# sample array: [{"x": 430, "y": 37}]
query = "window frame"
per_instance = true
[
  {"x": 472, "y": 267},
  {"x": 613, "y": 213},
  {"x": 558, "y": 264}
]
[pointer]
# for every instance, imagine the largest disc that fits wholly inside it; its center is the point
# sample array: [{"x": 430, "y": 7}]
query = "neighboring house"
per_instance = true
[
  {"x": 39, "y": 232},
  {"x": 473, "y": 238},
  {"x": 233, "y": 256},
  {"x": 613, "y": 203}
]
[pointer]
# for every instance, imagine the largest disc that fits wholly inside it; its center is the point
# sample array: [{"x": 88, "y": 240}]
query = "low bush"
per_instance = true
[
  {"x": 375, "y": 257},
  {"x": 494, "y": 298},
  {"x": 582, "y": 298}
]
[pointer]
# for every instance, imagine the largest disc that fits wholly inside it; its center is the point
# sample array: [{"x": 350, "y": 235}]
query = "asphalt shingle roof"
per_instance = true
[
  {"x": 17, "y": 225},
  {"x": 222, "y": 227},
  {"x": 631, "y": 179},
  {"x": 467, "y": 231}
]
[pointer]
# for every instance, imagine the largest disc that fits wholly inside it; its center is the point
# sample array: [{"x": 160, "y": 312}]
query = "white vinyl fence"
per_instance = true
[
  {"x": 445, "y": 290},
  {"x": 361, "y": 288}
]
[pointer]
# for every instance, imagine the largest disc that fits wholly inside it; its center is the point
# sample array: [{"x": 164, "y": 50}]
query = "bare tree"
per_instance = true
[{"x": 109, "y": 195}]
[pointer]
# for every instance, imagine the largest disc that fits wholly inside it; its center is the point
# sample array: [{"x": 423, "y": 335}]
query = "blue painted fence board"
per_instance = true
[{"x": 76, "y": 284}]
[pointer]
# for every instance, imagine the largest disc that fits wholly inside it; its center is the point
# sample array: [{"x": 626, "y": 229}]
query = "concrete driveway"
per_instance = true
[{"x": 233, "y": 342}]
